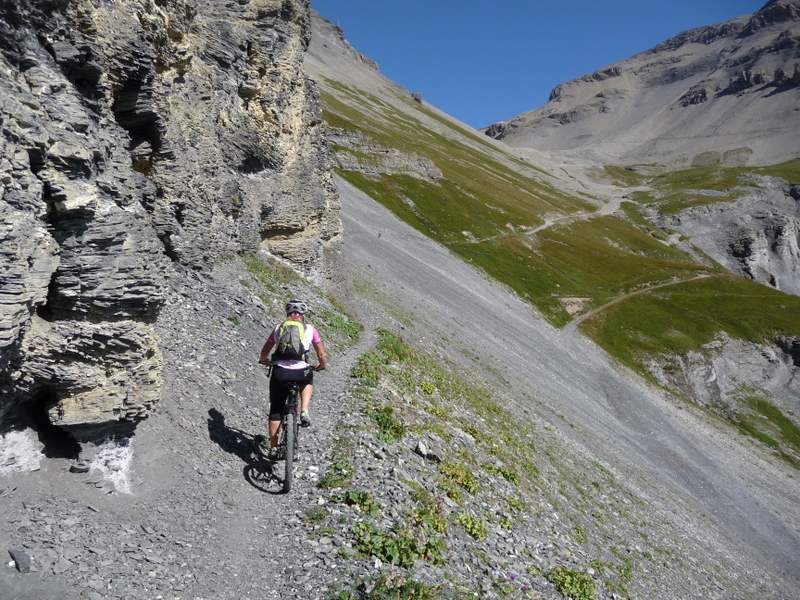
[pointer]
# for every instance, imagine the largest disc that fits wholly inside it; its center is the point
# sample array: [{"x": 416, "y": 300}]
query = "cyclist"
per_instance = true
[{"x": 289, "y": 365}]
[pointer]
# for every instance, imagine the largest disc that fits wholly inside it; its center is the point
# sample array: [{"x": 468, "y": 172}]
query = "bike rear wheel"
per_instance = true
[{"x": 291, "y": 432}]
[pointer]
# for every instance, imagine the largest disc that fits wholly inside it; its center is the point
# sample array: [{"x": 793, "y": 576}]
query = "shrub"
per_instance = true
[
  {"x": 338, "y": 475},
  {"x": 580, "y": 534},
  {"x": 504, "y": 472},
  {"x": 516, "y": 503},
  {"x": 385, "y": 588},
  {"x": 390, "y": 429},
  {"x": 572, "y": 584},
  {"x": 315, "y": 514},
  {"x": 359, "y": 499},
  {"x": 474, "y": 526},
  {"x": 368, "y": 368},
  {"x": 427, "y": 388},
  {"x": 459, "y": 474},
  {"x": 399, "y": 546}
]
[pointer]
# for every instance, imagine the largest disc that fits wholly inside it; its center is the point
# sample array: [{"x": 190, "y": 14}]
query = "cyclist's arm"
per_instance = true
[
  {"x": 321, "y": 355},
  {"x": 264, "y": 356}
]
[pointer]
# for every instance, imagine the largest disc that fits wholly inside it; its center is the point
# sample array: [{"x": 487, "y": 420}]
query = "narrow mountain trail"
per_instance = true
[
  {"x": 550, "y": 221},
  {"x": 742, "y": 502},
  {"x": 259, "y": 548},
  {"x": 575, "y": 323},
  {"x": 199, "y": 522}
]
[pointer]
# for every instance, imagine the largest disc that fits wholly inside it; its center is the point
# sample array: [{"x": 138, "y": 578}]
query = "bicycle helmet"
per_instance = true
[{"x": 296, "y": 306}]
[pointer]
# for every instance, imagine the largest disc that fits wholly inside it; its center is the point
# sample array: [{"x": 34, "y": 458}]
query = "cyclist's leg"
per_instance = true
[
  {"x": 305, "y": 396},
  {"x": 306, "y": 391},
  {"x": 278, "y": 391}
]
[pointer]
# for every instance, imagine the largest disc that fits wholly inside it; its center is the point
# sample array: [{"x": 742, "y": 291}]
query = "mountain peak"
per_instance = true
[
  {"x": 773, "y": 12},
  {"x": 729, "y": 89}
]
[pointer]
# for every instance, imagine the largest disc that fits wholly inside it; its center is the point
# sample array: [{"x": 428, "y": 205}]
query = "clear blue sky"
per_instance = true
[{"x": 484, "y": 61}]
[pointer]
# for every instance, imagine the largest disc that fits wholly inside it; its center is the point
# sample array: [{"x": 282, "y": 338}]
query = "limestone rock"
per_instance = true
[
  {"x": 140, "y": 138},
  {"x": 359, "y": 153}
]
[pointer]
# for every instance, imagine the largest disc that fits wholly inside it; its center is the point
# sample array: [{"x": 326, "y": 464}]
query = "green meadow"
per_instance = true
[{"x": 660, "y": 298}]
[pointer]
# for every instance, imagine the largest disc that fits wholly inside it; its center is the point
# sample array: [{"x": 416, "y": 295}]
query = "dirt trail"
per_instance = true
[
  {"x": 608, "y": 208},
  {"x": 575, "y": 323},
  {"x": 194, "y": 526},
  {"x": 717, "y": 489}
]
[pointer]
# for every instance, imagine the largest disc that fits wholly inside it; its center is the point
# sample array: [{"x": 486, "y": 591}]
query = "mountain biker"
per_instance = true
[{"x": 286, "y": 370}]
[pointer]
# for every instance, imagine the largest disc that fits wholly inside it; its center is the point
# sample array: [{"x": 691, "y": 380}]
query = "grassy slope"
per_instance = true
[
  {"x": 500, "y": 477},
  {"x": 597, "y": 260}
]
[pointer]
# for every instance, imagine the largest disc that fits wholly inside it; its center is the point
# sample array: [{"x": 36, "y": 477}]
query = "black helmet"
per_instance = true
[{"x": 296, "y": 306}]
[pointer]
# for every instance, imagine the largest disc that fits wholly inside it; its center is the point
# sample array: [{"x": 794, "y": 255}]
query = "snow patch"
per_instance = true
[
  {"x": 20, "y": 451},
  {"x": 113, "y": 461}
]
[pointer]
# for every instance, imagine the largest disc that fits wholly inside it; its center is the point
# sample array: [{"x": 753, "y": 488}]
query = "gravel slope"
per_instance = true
[
  {"x": 683, "y": 463},
  {"x": 197, "y": 521}
]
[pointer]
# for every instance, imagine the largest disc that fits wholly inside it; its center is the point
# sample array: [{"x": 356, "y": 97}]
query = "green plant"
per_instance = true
[
  {"x": 506, "y": 523},
  {"x": 315, "y": 514},
  {"x": 474, "y": 526},
  {"x": 387, "y": 587},
  {"x": 269, "y": 273},
  {"x": 235, "y": 320},
  {"x": 516, "y": 503},
  {"x": 580, "y": 534},
  {"x": 400, "y": 546},
  {"x": 459, "y": 474},
  {"x": 344, "y": 553},
  {"x": 440, "y": 412},
  {"x": 504, "y": 472},
  {"x": 450, "y": 489},
  {"x": 390, "y": 429},
  {"x": 429, "y": 513},
  {"x": 599, "y": 566},
  {"x": 531, "y": 469},
  {"x": 359, "y": 499},
  {"x": 339, "y": 474},
  {"x": 572, "y": 584},
  {"x": 427, "y": 387},
  {"x": 368, "y": 368},
  {"x": 336, "y": 321}
]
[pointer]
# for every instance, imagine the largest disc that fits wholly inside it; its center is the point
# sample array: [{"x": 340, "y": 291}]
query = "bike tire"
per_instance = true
[{"x": 291, "y": 422}]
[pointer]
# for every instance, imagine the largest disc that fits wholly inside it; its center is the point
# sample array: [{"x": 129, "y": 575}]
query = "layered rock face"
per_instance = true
[
  {"x": 728, "y": 91},
  {"x": 140, "y": 137},
  {"x": 357, "y": 152}
]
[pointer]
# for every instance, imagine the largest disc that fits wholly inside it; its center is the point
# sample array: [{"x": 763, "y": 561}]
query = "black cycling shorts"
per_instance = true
[{"x": 279, "y": 388}]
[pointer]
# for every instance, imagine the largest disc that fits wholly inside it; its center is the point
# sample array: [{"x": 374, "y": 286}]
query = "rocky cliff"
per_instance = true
[
  {"x": 731, "y": 89},
  {"x": 142, "y": 138}
]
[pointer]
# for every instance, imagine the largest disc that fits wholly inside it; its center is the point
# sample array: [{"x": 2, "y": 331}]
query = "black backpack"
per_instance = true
[{"x": 289, "y": 341}]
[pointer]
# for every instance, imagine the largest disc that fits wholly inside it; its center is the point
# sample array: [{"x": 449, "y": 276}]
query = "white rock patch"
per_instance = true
[
  {"x": 20, "y": 451},
  {"x": 113, "y": 461}
]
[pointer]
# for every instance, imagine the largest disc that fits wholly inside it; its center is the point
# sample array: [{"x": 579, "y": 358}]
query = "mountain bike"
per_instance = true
[{"x": 289, "y": 440}]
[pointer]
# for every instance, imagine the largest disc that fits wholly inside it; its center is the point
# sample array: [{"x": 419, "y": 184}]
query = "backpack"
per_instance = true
[{"x": 289, "y": 341}]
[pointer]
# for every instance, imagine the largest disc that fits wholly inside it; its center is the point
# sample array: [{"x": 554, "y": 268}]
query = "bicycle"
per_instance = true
[{"x": 289, "y": 441}]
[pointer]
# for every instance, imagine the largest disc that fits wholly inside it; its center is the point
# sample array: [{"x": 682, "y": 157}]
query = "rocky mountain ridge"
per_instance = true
[
  {"x": 141, "y": 138},
  {"x": 734, "y": 86}
]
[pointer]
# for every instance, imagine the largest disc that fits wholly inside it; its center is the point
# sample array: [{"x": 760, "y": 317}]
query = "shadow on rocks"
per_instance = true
[{"x": 258, "y": 471}]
